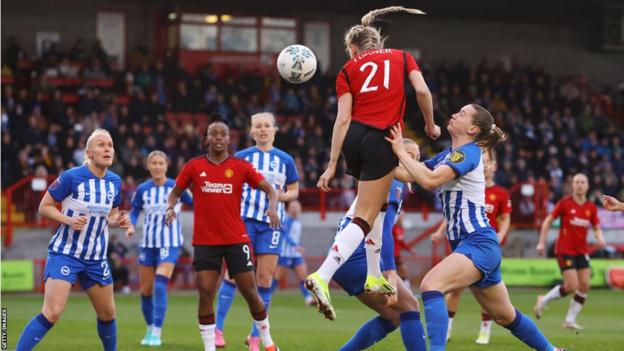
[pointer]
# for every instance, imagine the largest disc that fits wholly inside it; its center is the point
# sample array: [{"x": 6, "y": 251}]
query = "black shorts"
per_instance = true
[
  {"x": 238, "y": 258},
  {"x": 369, "y": 156},
  {"x": 573, "y": 262}
]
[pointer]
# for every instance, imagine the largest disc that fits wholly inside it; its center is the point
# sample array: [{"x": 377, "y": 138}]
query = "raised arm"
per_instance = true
[{"x": 341, "y": 125}]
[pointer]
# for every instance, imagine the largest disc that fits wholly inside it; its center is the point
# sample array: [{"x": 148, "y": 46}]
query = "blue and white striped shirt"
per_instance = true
[
  {"x": 463, "y": 199},
  {"x": 278, "y": 168},
  {"x": 152, "y": 198},
  {"x": 292, "y": 229},
  {"x": 82, "y": 193}
]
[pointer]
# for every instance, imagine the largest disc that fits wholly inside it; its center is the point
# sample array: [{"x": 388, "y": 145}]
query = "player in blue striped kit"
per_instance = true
[
  {"x": 278, "y": 168},
  {"x": 291, "y": 256},
  {"x": 476, "y": 258},
  {"x": 160, "y": 245},
  {"x": 89, "y": 196}
]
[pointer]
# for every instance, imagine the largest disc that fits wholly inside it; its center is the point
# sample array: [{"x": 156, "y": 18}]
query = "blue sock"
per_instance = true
[
  {"x": 265, "y": 295},
  {"x": 524, "y": 329},
  {"x": 224, "y": 302},
  {"x": 147, "y": 307},
  {"x": 304, "y": 291},
  {"x": 108, "y": 334},
  {"x": 274, "y": 285},
  {"x": 34, "y": 331},
  {"x": 412, "y": 332},
  {"x": 369, "y": 333},
  {"x": 160, "y": 299},
  {"x": 437, "y": 319}
]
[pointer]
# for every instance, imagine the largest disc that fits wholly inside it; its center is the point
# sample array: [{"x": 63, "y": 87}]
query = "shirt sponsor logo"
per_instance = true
[
  {"x": 217, "y": 188},
  {"x": 580, "y": 222}
]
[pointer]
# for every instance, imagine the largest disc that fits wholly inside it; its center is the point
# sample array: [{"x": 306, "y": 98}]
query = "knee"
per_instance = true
[
  {"x": 205, "y": 293},
  {"x": 52, "y": 313},
  {"x": 504, "y": 319},
  {"x": 583, "y": 287},
  {"x": 408, "y": 303},
  {"x": 429, "y": 285},
  {"x": 107, "y": 314},
  {"x": 265, "y": 278},
  {"x": 249, "y": 293},
  {"x": 147, "y": 289},
  {"x": 570, "y": 287}
]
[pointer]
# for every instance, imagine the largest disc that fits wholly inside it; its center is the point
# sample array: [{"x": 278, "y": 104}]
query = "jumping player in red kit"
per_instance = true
[
  {"x": 498, "y": 212},
  {"x": 371, "y": 98},
  {"x": 577, "y": 215},
  {"x": 216, "y": 181}
]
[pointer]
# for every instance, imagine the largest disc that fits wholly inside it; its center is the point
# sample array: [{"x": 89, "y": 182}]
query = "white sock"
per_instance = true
[
  {"x": 207, "y": 332},
  {"x": 553, "y": 294},
  {"x": 450, "y": 325},
  {"x": 372, "y": 243},
  {"x": 575, "y": 307},
  {"x": 344, "y": 245},
  {"x": 156, "y": 331},
  {"x": 150, "y": 328},
  {"x": 486, "y": 327},
  {"x": 264, "y": 330}
]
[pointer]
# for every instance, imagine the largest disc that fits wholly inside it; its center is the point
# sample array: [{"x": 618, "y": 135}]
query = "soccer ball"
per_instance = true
[{"x": 296, "y": 64}]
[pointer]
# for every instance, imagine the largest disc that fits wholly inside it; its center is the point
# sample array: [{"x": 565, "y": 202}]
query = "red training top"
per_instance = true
[
  {"x": 497, "y": 202},
  {"x": 217, "y": 191},
  {"x": 575, "y": 220},
  {"x": 375, "y": 78}
]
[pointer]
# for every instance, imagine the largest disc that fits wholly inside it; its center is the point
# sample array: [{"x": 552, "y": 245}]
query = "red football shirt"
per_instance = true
[
  {"x": 575, "y": 220},
  {"x": 497, "y": 202},
  {"x": 217, "y": 191},
  {"x": 375, "y": 78}
]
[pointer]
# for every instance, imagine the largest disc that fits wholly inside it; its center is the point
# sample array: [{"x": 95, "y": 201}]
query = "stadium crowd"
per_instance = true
[{"x": 556, "y": 126}]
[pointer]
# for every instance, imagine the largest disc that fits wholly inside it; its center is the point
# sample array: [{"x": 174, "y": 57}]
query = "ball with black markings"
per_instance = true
[{"x": 296, "y": 64}]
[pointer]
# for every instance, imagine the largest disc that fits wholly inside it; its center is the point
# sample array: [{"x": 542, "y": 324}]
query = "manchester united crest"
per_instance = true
[{"x": 229, "y": 173}]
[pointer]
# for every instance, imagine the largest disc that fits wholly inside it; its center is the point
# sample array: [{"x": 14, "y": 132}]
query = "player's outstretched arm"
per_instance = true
[
  {"x": 341, "y": 125},
  {"x": 172, "y": 200},
  {"x": 422, "y": 175},
  {"x": 612, "y": 204},
  {"x": 272, "y": 211},
  {"x": 541, "y": 244},
  {"x": 425, "y": 102}
]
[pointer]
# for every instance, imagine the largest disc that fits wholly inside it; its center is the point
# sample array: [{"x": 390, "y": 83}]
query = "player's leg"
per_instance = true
[
  {"x": 301, "y": 270},
  {"x": 495, "y": 300},
  {"x": 54, "y": 301},
  {"x": 225, "y": 298},
  {"x": 570, "y": 284},
  {"x": 375, "y": 329},
  {"x": 240, "y": 266},
  {"x": 456, "y": 271},
  {"x": 147, "y": 269},
  {"x": 486, "y": 328},
  {"x": 102, "y": 300},
  {"x": 576, "y": 303},
  {"x": 280, "y": 273},
  {"x": 161, "y": 283},
  {"x": 207, "y": 263},
  {"x": 452, "y": 304},
  {"x": 206, "y": 281},
  {"x": 412, "y": 331}
]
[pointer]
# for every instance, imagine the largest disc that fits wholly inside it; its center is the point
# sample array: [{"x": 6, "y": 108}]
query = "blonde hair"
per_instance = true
[
  {"x": 366, "y": 37},
  {"x": 157, "y": 153},
  {"x": 91, "y": 139},
  {"x": 263, "y": 114}
]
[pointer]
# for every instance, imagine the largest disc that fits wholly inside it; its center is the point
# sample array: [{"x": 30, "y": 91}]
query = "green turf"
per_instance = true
[{"x": 296, "y": 327}]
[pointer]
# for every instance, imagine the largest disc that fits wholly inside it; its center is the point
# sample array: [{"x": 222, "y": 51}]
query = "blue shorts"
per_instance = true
[
  {"x": 153, "y": 256},
  {"x": 264, "y": 239},
  {"x": 290, "y": 262},
  {"x": 483, "y": 249},
  {"x": 70, "y": 269}
]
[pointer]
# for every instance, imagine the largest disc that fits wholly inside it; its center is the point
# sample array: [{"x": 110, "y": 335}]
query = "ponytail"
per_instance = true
[{"x": 489, "y": 134}]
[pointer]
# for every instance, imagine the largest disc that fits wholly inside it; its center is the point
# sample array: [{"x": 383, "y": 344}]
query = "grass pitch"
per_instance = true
[{"x": 297, "y": 327}]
